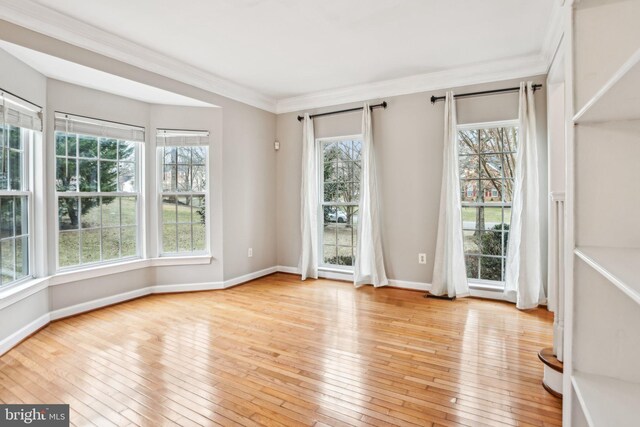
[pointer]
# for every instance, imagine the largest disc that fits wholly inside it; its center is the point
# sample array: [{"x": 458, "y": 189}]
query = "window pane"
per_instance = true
[
  {"x": 357, "y": 151},
  {"x": 491, "y": 268},
  {"x": 492, "y": 218},
  {"x": 509, "y": 164},
  {"x": 471, "y": 242},
  {"x": 490, "y": 141},
  {"x": 69, "y": 248},
  {"x": 15, "y": 141},
  {"x": 6, "y": 260},
  {"x": 184, "y": 178},
  {"x": 61, "y": 144},
  {"x": 491, "y": 191},
  {"x": 330, "y": 231},
  {"x": 472, "y": 263},
  {"x": 108, "y": 176},
  {"x": 468, "y": 142},
  {"x": 66, "y": 174},
  {"x": 330, "y": 171},
  {"x": 329, "y": 254},
  {"x": 345, "y": 255},
  {"x": 169, "y": 212},
  {"x": 90, "y": 212},
  {"x": 129, "y": 242},
  {"x": 111, "y": 243},
  {"x": 491, "y": 166},
  {"x": 129, "y": 210},
  {"x": 90, "y": 245},
  {"x": 15, "y": 170},
  {"x": 127, "y": 151},
  {"x": 22, "y": 257},
  {"x": 184, "y": 238},
  {"x": 68, "y": 213},
  {"x": 184, "y": 209},
  {"x": 471, "y": 218},
  {"x": 108, "y": 148},
  {"x": 491, "y": 242},
  {"x": 199, "y": 178},
  {"x": 199, "y": 156},
  {"x": 6, "y": 217},
  {"x": 184, "y": 155},
  {"x": 22, "y": 215},
  {"x": 88, "y": 175},
  {"x": 169, "y": 177},
  {"x": 169, "y": 155},
  {"x": 110, "y": 211},
  {"x": 88, "y": 146},
  {"x": 508, "y": 190},
  {"x": 199, "y": 209},
  {"x": 469, "y": 168},
  {"x": 127, "y": 177},
  {"x": 199, "y": 237},
  {"x": 169, "y": 238},
  {"x": 470, "y": 191}
]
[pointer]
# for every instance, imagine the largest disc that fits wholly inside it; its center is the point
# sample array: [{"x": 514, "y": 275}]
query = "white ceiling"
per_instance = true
[
  {"x": 71, "y": 72},
  {"x": 284, "y": 49}
]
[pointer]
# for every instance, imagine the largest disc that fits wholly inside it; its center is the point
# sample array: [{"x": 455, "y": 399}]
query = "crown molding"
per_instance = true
[
  {"x": 36, "y": 17},
  {"x": 554, "y": 33},
  {"x": 461, "y": 76}
]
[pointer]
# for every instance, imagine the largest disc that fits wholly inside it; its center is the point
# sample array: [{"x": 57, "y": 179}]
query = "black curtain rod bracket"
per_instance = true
[
  {"x": 435, "y": 99},
  {"x": 383, "y": 104}
]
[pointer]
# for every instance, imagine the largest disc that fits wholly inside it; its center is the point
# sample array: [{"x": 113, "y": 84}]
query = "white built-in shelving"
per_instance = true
[{"x": 603, "y": 376}]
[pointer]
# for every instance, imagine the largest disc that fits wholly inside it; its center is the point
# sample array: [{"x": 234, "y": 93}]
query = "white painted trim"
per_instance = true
[
  {"x": 461, "y": 76},
  {"x": 97, "y": 271},
  {"x": 405, "y": 284},
  {"x": 12, "y": 340},
  {"x": 552, "y": 378},
  {"x": 249, "y": 277},
  {"x": 98, "y": 303},
  {"x": 186, "y": 287},
  {"x": 34, "y": 16},
  {"x": 22, "y": 290},
  {"x": 181, "y": 260},
  {"x": 286, "y": 269}
]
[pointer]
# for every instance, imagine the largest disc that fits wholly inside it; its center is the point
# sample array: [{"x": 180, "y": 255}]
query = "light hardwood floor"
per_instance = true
[{"x": 278, "y": 351}]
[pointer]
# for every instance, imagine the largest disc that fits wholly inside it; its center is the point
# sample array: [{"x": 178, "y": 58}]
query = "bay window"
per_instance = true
[
  {"x": 183, "y": 191},
  {"x": 97, "y": 190}
]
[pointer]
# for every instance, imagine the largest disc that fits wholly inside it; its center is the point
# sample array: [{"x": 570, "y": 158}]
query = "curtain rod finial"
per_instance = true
[
  {"x": 300, "y": 118},
  {"x": 433, "y": 99},
  {"x": 384, "y": 104}
]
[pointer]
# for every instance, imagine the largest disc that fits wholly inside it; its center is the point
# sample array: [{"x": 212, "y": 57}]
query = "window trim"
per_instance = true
[
  {"x": 320, "y": 194},
  {"x": 206, "y": 253},
  {"x": 140, "y": 214},
  {"x": 475, "y": 283}
]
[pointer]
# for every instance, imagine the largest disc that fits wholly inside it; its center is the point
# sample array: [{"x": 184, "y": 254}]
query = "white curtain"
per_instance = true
[
  {"x": 523, "y": 280},
  {"x": 309, "y": 203},
  {"x": 449, "y": 270},
  {"x": 369, "y": 266}
]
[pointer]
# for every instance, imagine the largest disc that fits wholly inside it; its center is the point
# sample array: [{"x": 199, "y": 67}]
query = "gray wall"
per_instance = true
[
  {"x": 248, "y": 158},
  {"x": 23, "y": 81},
  {"x": 408, "y": 139}
]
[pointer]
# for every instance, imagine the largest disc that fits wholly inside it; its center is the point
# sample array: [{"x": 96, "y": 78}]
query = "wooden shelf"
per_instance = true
[
  {"x": 618, "y": 99},
  {"x": 621, "y": 266},
  {"x": 606, "y": 401}
]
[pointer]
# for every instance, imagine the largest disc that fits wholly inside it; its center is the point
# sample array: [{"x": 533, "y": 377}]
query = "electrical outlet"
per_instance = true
[
  {"x": 250, "y": 253},
  {"x": 422, "y": 258}
]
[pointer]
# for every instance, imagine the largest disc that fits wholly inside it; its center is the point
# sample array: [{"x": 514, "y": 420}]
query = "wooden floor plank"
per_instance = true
[{"x": 281, "y": 352}]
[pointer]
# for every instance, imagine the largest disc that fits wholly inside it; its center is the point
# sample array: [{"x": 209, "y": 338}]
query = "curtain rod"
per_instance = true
[
  {"x": 21, "y": 98},
  {"x": 435, "y": 99},
  {"x": 383, "y": 104}
]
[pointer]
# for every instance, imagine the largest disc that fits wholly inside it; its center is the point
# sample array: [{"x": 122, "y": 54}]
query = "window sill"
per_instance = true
[
  {"x": 97, "y": 271},
  {"x": 486, "y": 286},
  {"x": 181, "y": 260}
]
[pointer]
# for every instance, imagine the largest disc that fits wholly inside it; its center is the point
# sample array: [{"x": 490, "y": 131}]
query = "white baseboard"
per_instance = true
[
  {"x": 98, "y": 303},
  {"x": 251, "y": 276},
  {"x": 12, "y": 340},
  {"x": 405, "y": 284},
  {"x": 186, "y": 287}
]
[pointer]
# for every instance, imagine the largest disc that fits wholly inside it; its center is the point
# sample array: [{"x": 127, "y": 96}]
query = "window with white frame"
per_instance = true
[
  {"x": 183, "y": 166},
  {"x": 339, "y": 179},
  {"x": 487, "y": 156},
  {"x": 97, "y": 190},
  {"x": 19, "y": 123}
]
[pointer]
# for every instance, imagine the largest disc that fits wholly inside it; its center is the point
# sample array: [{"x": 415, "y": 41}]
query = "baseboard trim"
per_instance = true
[
  {"x": 23, "y": 333},
  {"x": 18, "y": 336}
]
